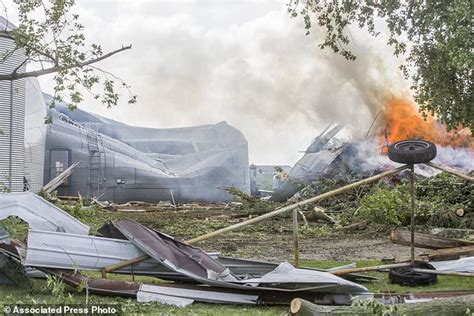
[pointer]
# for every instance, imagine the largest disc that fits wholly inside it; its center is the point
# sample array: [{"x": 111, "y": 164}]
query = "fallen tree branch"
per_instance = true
[
  {"x": 442, "y": 306},
  {"x": 37, "y": 73}
]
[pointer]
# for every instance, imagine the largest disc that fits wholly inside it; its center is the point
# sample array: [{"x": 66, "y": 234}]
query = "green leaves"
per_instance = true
[
  {"x": 52, "y": 38},
  {"x": 435, "y": 35}
]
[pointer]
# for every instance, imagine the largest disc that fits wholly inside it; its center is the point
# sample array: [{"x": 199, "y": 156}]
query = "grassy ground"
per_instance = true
[
  {"x": 40, "y": 294},
  {"x": 269, "y": 240}
]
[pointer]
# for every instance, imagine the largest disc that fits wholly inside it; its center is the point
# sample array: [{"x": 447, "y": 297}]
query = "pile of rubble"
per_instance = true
[{"x": 60, "y": 245}]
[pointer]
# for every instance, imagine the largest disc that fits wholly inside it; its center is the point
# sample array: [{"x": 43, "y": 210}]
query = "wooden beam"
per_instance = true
[
  {"x": 451, "y": 171},
  {"x": 451, "y": 253},
  {"x": 60, "y": 178},
  {"x": 122, "y": 264},
  {"x": 450, "y": 273},
  {"x": 296, "y": 250},
  {"x": 372, "y": 268},
  {"x": 298, "y": 204},
  {"x": 403, "y": 237}
]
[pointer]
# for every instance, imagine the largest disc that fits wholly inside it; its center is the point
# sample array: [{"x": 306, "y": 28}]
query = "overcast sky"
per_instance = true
[{"x": 245, "y": 62}]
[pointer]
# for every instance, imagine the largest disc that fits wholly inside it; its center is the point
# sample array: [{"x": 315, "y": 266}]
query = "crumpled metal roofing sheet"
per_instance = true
[
  {"x": 460, "y": 265},
  {"x": 185, "y": 296},
  {"x": 153, "y": 244},
  {"x": 166, "y": 249},
  {"x": 66, "y": 251},
  {"x": 286, "y": 275},
  {"x": 39, "y": 213}
]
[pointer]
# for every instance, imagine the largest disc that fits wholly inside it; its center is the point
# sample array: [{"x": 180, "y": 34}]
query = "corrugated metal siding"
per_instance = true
[{"x": 12, "y": 120}]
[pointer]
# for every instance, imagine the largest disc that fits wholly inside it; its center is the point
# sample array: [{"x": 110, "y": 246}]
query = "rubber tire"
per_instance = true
[
  {"x": 405, "y": 275},
  {"x": 412, "y": 151}
]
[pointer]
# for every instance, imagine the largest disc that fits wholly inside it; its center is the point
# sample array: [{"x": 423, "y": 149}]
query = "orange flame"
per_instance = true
[{"x": 401, "y": 120}]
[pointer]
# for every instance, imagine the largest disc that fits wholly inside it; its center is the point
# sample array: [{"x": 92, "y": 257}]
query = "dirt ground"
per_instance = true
[{"x": 271, "y": 239}]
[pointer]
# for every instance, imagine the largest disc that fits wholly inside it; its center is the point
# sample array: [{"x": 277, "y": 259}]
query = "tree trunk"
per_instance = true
[
  {"x": 443, "y": 306},
  {"x": 402, "y": 237}
]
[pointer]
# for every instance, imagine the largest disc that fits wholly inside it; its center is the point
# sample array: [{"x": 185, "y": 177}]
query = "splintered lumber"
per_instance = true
[
  {"x": 451, "y": 171},
  {"x": 298, "y": 204},
  {"x": 359, "y": 225},
  {"x": 442, "y": 306},
  {"x": 439, "y": 255},
  {"x": 60, "y": 178},
  {"x": 403, "y": 237},
  {"x": 451, "y": 253},
  {"x": 372, "y": 268},
  {"x": 319, "y": 213},
  {"x": 450, "y": 273}
]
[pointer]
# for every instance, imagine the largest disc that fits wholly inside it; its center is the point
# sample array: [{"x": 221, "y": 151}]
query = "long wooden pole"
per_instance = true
[
  {"x": 295, "y": 237},
  {"x": 450, "y": 273},
  {"x": 372, "y": 268},
  {"x": 449, "y": 170},
  {"x": 123, "y": 264},
  {"x": 296, "y": 205}
]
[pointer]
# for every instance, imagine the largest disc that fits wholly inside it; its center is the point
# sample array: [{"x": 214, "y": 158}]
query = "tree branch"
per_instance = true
[{"x": 37, "y": 73}]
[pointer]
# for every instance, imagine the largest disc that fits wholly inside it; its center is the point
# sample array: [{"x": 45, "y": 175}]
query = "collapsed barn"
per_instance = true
[{"x": 124, "y": 163}]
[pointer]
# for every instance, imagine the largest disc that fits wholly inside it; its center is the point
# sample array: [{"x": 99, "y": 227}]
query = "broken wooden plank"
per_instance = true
[
  {"x": 60, "y": 178},
  {"x": 449, "y": 273},
  {"x": 372, "y": 268},
  {"x": 451, "y": 253},
  {"x": 359, "y": 225},
  {"x": 438, "y": 255},
  {"x": 402, "y": 237}
]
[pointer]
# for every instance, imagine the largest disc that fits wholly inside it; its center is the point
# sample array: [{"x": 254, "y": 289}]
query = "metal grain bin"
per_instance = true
[{"x": 12, "y": 116}]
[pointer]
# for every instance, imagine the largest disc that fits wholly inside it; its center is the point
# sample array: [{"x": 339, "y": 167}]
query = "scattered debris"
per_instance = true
[{"x": 312, "y": 166}]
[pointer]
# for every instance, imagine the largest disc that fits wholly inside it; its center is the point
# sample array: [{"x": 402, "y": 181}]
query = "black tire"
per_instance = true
[
  {"x": 412, "y": 151},
  {"x": 406, "y": 275}
]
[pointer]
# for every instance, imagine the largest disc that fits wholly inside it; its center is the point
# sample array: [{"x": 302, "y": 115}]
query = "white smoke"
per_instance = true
[
  {"x": 368, "y": 158},
  {"x": 247, "y": 63}
]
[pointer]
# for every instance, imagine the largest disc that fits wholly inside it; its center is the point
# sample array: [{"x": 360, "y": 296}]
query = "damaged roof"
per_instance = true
[{"x": 39, "y": 213}]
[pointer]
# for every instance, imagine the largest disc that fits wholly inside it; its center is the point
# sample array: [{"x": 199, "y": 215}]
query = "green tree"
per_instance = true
[
  {"x": 434, "y": 35},
  {"x": 52, "y": 39}
]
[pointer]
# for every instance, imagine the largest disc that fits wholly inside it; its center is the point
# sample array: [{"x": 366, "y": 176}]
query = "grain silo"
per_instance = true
[{"x": 12, "y": 114}]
